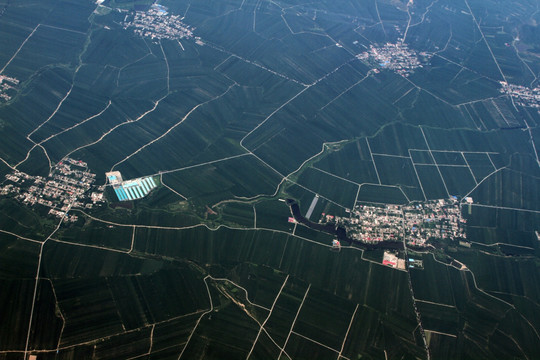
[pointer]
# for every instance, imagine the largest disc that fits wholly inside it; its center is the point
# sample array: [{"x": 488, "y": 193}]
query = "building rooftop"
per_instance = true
[
  {"x": 130, "y": 189},
  {"x": 114, "y": 177}
]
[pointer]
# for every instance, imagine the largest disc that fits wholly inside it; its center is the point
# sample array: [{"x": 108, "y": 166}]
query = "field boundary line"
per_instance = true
[
  {"x": 373, "y": 161},
  {"x": 268, "y": 317},
  {"x": 294, "y": 321},
  {"x": 347, "y": 333},
  {"x": 19, "y": 49}
]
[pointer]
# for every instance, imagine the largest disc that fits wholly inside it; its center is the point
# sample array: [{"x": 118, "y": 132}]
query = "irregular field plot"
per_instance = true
[
  {"x": 264, "y": 348},
  {"x": 240, "y": 177},
  {"x": 261, "y": 282},
  {"x": 238, "y": 213},
  {"x": 273, "y": 214},
  {"x": 227, "y": 333},
  {"x": 458, "y": 179},
  {"x": 46, "y": 46},
  {"x": 480, "y": 165}
]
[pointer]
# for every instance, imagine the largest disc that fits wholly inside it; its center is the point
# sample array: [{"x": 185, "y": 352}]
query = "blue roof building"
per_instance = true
[{"x": 131, "y": 189}]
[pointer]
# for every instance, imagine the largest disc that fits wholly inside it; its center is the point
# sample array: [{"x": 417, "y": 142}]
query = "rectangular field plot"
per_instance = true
[
  {"x": 173, "y": 292},
  {"x": 399, "y": 171},
  {"x": 47, "y": 322},
  {"x": 432, "y": 183},
  {"x": 133, "y": 310},
  {"x": 503, "y": 274},
  {"x": 458, "y": 179},
  {"x": 439, "y": 318},
  {"x": 448, "y": 158},
  {"x": 509, "y": 189},
  {"x": 351, "y": 162},
  {"x": 61, "y": 261},
  {"x": 324, "y": 318},
  {"x": 174, "y": 332},
  {"x": 387, "y": 291},
  {"x": 238, "y": 213},
  {"x": 421, "y": 157},
  {"x": 492, "y": 235},
  {"x": 98, "y": 234},
  {"x": 381, "y": 194},
  {"x": 491, "y": 225},
  {"x": 124, "y": 346},
  {"x": 318, "y": 236},
  {"x": 18, "y": 258},
  {"x": 364, "y": 335},
  {"x": 15, "y": 300},
  {"x": 331, "y": 187},
  {"x": 89, "y": 309},
  {"x": 298, "y": 347},
  {"x": 242, "y": 177},
  {"x": 223, "y": 246},
  {"x": 489, "y": 217},
  {"x": 77, "y": 352},
  {"x": 433, "y": 283}
]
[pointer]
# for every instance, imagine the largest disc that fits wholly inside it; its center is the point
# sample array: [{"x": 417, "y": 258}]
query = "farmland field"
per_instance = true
[{"x": 269, "y": 179}]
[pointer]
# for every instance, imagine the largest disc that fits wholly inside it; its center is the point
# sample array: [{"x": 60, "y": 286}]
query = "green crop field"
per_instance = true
[{"x": 243, "y": 113}]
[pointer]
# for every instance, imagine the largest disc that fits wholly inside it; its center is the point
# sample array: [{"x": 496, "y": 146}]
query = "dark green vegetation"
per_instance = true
[{"x": 269, "y": 102}]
